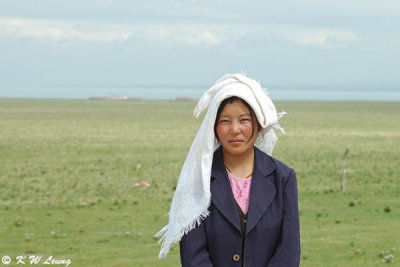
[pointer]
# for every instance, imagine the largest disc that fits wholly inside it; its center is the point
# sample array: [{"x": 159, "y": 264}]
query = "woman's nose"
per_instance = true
[{"x": 235, "y": 127}]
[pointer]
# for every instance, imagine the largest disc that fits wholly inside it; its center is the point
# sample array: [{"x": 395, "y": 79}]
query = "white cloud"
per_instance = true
[
  {"x": 199, "y": 39},
  {"x": 59, "y": 30},
  {"x": 54, "y": 30},
  {"x": 323, "y": 38},
  {"x": 194, "y": 35}
]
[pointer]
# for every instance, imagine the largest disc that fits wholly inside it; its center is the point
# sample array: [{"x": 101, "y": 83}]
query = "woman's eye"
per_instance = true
[
  {"x": 223, "y": 121},
  {"x": 245, "y": 120}
]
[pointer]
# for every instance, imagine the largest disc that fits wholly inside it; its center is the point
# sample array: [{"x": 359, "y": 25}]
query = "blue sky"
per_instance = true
[{"x": 193, "y": 43}]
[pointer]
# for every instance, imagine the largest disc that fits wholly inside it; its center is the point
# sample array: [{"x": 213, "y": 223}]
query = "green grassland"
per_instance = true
[{"x": 68, "y": 170}]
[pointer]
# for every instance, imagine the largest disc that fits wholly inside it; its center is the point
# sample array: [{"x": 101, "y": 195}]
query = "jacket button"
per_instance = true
[{"x": 236, "y": 257}]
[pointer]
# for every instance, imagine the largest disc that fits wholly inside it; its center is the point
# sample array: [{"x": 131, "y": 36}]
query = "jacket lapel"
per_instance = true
[
  {"x": 261, "y": 195},
  {"x": 262, "y": 191},
  {"x": 221, "y": 191}
]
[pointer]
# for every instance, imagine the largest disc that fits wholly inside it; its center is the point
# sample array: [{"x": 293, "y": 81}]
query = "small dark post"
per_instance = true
[{"x": 342, "y": 184}]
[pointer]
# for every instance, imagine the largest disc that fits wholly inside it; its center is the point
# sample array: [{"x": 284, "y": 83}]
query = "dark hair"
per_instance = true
[{"x": 230, "y": 100}]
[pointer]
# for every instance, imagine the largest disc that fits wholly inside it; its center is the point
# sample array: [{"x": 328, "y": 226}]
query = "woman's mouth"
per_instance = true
[{"x": 235, "y": 142}]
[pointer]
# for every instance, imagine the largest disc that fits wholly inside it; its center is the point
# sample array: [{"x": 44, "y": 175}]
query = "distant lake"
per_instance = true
[{"x": 325, "y": 93}]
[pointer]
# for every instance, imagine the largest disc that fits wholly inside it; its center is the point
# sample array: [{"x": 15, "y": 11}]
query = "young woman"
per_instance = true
[{"x": 235, "y": 205}]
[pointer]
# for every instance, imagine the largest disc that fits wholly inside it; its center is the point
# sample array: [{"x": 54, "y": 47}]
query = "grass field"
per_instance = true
[{"x": 68, "y": 170}]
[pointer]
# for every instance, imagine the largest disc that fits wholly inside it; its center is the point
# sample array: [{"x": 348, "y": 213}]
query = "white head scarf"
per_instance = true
[{"x": 192, "y": 195}]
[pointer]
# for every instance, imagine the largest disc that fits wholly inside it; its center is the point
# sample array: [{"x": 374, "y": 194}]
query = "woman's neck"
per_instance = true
[{"x": 239, "y": 165}]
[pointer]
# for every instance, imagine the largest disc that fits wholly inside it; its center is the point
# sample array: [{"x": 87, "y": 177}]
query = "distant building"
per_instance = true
[
  {"x": 185, "y": 99},
  {"x": 98, "y": 98},
  {"x": 135, "y": 99},
  {"x": 119, "y": 97},
  {"x": 116, "y": 98}
]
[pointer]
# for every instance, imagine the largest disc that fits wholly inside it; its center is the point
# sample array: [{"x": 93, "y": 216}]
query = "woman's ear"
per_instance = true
[{"x": 259, "y": 128}]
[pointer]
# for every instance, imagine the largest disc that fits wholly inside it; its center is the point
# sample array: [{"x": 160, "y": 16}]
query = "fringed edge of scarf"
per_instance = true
[
  {"x": 277, "y": 125},
  {"x": 163, "y": 233}
]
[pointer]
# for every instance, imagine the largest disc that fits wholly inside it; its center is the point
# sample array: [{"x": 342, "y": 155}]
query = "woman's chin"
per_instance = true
[{"x": 236, "y": 150}]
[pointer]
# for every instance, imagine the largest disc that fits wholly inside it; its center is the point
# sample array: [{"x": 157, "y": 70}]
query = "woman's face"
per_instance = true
[{"x": 234, "y": 128}]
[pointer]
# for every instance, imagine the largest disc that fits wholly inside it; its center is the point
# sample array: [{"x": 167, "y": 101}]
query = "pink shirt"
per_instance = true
[{"x": 241, "y": 190}]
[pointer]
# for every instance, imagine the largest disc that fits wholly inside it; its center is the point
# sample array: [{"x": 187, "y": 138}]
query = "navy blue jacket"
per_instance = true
[{"x": 271, "y": 236}]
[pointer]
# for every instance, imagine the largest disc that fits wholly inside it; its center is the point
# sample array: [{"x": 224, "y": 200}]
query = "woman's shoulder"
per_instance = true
[{"x": 281, "y": 169}]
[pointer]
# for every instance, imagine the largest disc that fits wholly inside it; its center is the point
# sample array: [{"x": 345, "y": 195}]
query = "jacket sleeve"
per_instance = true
[
  {"x": 287, "y": 253},
  {"x": 193, "y": 248}
]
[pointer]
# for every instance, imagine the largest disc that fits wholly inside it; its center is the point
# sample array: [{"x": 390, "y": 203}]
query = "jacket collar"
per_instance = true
[{"x": 262, "y": 190}]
